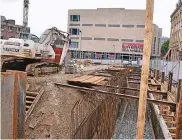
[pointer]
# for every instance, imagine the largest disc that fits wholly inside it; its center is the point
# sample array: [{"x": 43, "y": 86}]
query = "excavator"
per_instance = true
[{"x": 33, "y": 55}]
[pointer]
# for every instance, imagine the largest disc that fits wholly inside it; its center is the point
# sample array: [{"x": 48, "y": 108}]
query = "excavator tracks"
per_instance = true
[
  {"x": 33, "y": 67},
  {"x": 43, "y": 68}
]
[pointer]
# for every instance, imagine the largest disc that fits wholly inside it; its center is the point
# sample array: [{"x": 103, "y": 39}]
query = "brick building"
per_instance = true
[{"x": 9, "y": 29}]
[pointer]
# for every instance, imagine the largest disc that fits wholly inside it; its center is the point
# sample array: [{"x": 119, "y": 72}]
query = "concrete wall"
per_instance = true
[{"x": 114, "y": 16}]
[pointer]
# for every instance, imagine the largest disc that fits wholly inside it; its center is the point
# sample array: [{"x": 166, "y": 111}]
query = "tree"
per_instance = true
[{"x": 165, "y": 47}]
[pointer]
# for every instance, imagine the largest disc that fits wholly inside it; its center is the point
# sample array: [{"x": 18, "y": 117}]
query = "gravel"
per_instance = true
[{"x": 126, "y": 126}]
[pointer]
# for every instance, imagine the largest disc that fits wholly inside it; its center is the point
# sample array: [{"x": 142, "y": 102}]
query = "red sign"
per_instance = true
[
  {"x": 111, "y": 55},
  {"x": 132, "y": 47},
  {"x": 99, "y": 54}
]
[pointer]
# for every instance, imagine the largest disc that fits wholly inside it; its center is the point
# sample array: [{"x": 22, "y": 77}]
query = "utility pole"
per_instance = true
[{"x": 145, "y": 69}]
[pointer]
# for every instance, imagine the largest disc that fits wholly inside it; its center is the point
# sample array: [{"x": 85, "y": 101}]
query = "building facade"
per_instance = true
[
  {"x": 175, "y": 46},
  {"x": 109, "y": 33},
  {"x": 9, "y": 29}
]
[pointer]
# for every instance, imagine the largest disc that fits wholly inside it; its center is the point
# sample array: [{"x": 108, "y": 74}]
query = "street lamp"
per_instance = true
[{"x": 80, "y": 43}]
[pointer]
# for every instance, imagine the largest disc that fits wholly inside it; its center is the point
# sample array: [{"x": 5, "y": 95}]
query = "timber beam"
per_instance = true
[
  {"x": 119, "y": 95},
  {"x": 135, "y": 89}
]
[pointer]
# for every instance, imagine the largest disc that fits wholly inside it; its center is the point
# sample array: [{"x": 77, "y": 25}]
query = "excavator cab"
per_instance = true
[{"x": 28, "y": 36}]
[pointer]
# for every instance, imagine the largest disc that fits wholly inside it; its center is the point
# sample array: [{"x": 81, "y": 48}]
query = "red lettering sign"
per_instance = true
[{"x": 132, "y": 47}]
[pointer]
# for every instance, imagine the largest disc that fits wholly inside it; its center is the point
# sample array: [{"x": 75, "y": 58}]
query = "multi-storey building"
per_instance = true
[
  {"x": 9, "y": 29},
  {"x": 175, "y": 51},
  {"x": 108, "y": 33}
]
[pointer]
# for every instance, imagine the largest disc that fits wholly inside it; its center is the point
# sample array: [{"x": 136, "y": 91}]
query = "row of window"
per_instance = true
[
  {"x": 103, "y": 55},
  {"x": 75, "y": 44},
  {"x": 108, "y": 39},
  {"x": 109, "y": 25},
  {"x": 77, "y": 18},
  {"x": 11, "y": 28}
]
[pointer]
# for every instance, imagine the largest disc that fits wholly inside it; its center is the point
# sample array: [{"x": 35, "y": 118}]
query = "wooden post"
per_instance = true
[
  {"x": 178, "y": 90},
  {"x": 162, "y": 78},
  {"x": 170, "y": 79},
  {"x": 145, "y": 69},
  {"x": 157, "y": 75},
  {"x": 154, "y": 73},
  {"x": 179, "y": 118}
]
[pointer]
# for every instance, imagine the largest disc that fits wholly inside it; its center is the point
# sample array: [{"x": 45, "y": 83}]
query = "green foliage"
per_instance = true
[{"x": 165, "y": 47}]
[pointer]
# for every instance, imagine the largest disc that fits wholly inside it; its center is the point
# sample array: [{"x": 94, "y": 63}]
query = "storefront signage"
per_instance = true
[{"x": 132, "y": 47}]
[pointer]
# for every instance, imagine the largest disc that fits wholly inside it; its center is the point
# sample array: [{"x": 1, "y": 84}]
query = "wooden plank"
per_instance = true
[
  {"x": 98, "y": 81},
  {"x": 145, "y": 69},
  {"x": 30, "y": 97},
  {"x": 92, "y": 79},
  {"x": 119, "y": 95},
  {"x": 135, "y": 89},
  {"x": 30, "y": 108},
  {"x": 82, "y": 78}
]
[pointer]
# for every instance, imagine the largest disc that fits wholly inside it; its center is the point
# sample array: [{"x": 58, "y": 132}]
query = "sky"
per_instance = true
[{"x": 44, "y": 14}]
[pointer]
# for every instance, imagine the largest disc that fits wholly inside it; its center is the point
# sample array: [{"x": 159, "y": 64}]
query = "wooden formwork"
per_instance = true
[{"x": 172, "y": 118}]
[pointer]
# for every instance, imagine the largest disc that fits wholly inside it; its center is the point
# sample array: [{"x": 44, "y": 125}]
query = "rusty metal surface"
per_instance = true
[
  {"x": 95, "y": 115},
  {"x": 13, "y": 104},
  {"x": 7, "y": 82}
]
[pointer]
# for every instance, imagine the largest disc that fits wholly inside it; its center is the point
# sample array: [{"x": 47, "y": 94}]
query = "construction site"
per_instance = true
[{"x": 45, "y": 94}]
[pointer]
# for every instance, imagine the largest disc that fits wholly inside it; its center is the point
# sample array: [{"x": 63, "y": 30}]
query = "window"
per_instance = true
[
  {"x": 74, "y": 37},
  {"x": 10, "y": 28},
  {"x": 74, "y": 17},
  {"x": 74, "y": 24},
  {"x": 86, "y": 38},
  {"x": 128, "y": 26},
  {"x": 113, "y": 25},
  {"x": 2, "y": 27},
  {"x": 24, "y": 36},
  {"x": 140, "y": 26},
  {"x": 112, "y": 39},
  {"x": 74, "y": 44},
  {"x": 100, "y": 25},
  {"x": 140, "y": 41},
  {"x": 99, "y": 38},
  {"x": 35, "y": 38},
  {"x": 127, "y": 40},
  {"x": 154, "y": 41},
  {"x": 87, "y": 24},
  {"x": 74, "y": 31}
]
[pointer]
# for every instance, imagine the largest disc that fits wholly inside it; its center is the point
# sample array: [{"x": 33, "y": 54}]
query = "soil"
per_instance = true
[{"x": 51, "y": 117}]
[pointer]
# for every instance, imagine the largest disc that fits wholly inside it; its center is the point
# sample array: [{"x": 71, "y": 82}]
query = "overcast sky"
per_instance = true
[{"x": 44, "y": 14}]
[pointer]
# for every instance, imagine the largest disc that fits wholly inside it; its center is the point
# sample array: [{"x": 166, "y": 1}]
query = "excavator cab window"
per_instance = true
[
  {"x": 24, "y": 36},
  {"x": 35, "y": 38}
]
